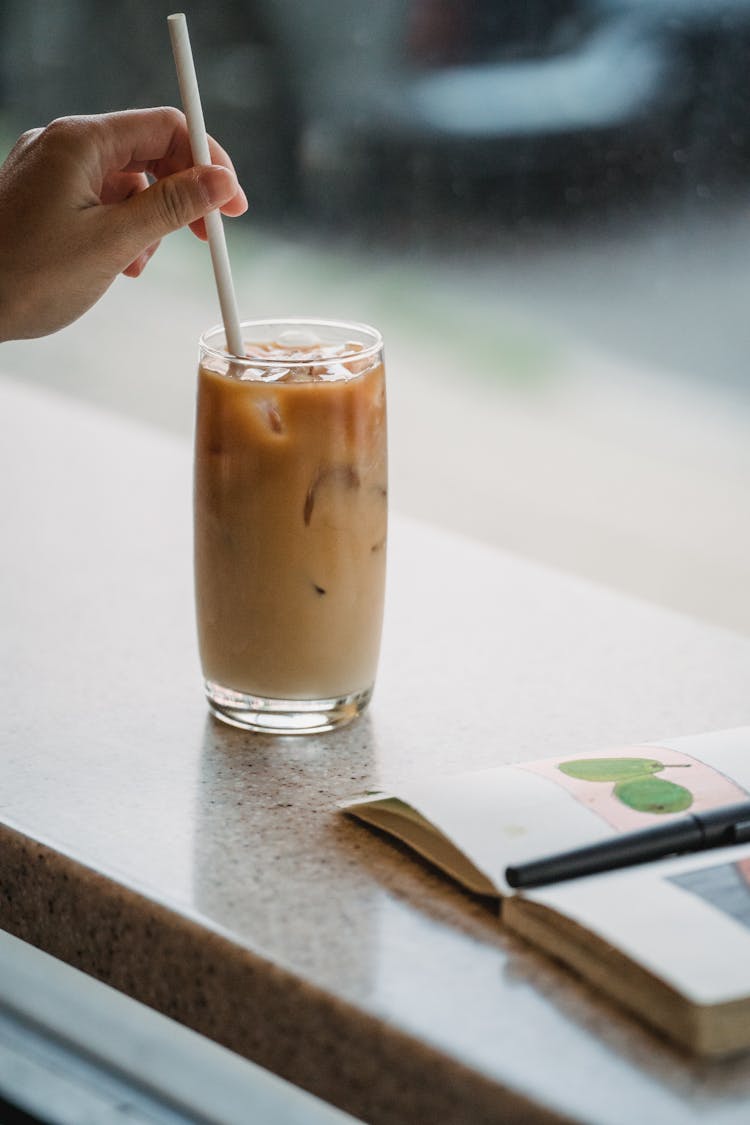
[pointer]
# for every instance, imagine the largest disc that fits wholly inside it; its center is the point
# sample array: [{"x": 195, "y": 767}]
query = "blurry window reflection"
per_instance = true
[{"x": 580, "y": 165}]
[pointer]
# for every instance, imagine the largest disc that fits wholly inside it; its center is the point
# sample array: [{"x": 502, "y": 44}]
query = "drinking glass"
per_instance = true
[{"x": 290, "y": 507}]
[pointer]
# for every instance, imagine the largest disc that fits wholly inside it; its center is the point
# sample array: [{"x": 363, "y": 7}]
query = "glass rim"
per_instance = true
[{"x": 295, "y": 322}]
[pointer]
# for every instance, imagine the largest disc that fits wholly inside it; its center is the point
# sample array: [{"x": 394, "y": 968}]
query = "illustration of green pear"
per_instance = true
[
  {"x": 635, "y": 783},
  {"x": 653, "y": 795},
  {"x": 610, "y": 769}
]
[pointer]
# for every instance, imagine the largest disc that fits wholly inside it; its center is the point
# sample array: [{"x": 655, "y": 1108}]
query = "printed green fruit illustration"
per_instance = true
[
  {"x": 635, "y": 784},
  {"x": 653, "y": 795},
  {"x": 610, "y": 769}
]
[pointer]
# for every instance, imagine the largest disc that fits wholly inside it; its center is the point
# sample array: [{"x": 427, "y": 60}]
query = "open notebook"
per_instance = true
[{"x": 669, "y": 940}]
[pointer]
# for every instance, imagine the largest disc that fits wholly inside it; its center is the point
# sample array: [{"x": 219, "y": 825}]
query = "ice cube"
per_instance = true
[
  {"x": 335, "y": 372},
  {"x": 298, "y": 338},
  {"x": 299, "y": 375},
  {"x": 272, "y": 416},
  {"x": 329, "y": 481}
]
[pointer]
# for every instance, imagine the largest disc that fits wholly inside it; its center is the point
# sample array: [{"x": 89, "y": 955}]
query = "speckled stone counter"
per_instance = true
[{"x": 207, "y": 872}]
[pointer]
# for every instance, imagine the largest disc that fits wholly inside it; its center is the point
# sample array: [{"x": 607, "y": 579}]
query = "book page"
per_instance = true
[
  {"x": 686, "y": 920},
  {"x": 512, "y": 814},
  {"x": 501, "y": 816}
]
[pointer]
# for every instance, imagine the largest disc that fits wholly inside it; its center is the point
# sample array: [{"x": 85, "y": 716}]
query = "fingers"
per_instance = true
[
  {"x": 26, "y": 139},
  {"x": 199, "y": 229},
  {"x": 117, "y": 187},
  {"x": 232, "y": 209},
  {"x": 141, "y": 137},
  {"x": 102, "y": 166},
  {"x": 157, "y": 141},
  {"x": 133, "y": 143},
  {"x": 122, "y": 185},
  {"x": 136, "y": 268},
  {"x": 165, "y": 206},
  {"x": 79, "y": 208}
]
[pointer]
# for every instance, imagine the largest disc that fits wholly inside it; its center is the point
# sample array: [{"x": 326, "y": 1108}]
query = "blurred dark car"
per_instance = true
[{"x": 338, "y": 101}]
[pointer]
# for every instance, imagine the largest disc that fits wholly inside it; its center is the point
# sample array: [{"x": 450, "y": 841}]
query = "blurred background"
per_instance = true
[{"x": 543, "y": 204}]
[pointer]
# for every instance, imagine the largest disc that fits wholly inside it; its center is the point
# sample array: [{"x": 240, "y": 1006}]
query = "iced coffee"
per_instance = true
[{"x": 290, "y": 523}]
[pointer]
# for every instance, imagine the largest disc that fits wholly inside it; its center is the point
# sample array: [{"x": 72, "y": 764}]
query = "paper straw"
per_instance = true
[{"x": 191, "y": 103}]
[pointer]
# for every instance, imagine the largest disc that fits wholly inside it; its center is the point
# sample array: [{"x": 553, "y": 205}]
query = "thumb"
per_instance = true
[{"x": 173, "y": 202}]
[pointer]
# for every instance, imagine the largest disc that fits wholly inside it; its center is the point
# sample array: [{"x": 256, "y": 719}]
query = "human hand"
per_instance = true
[{"x": 76, "y": 209}]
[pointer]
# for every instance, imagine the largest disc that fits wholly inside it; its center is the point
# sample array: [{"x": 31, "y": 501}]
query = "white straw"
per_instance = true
[{"x": 191, "y": 103}]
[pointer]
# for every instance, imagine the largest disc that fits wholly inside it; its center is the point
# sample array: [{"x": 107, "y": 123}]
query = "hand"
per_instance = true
[{"x": 77, "y": 209}]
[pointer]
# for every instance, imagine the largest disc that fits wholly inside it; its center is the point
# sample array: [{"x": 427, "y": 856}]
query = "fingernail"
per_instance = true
[{"x": 217, "y": 184}]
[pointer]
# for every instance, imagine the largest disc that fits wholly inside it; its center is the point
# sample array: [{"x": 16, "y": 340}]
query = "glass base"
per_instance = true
[{"x": 284, "y": 716}]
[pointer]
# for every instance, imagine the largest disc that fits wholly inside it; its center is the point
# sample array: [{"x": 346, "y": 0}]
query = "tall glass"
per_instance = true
[{"x": 290, "y": 523}]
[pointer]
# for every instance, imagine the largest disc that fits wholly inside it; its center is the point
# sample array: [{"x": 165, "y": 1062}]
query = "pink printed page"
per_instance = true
[{"x": 636, "y": 786}]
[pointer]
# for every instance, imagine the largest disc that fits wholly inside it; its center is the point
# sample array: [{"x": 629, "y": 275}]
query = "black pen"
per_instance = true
[{"x": 714, "y": 828}]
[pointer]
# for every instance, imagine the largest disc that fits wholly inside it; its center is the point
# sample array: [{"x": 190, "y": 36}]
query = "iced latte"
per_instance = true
[{"x": 290, "y": 523}]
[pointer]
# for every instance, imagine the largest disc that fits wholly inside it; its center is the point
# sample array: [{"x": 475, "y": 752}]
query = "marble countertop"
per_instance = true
[{"x": 207, "y": 872}]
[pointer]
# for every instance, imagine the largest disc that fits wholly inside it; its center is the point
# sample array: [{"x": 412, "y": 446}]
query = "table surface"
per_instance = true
[{"x": 207, "y": 871}]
